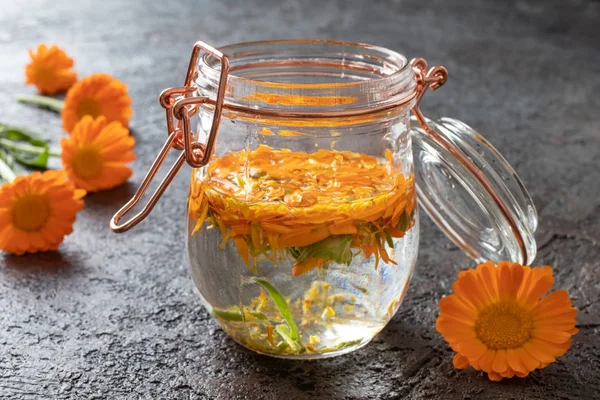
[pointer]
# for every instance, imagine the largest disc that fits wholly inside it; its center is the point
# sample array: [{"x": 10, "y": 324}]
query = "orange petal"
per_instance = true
[
  {"x": 537, "y": 349},
  {"x": 492, "y": 376},
  {"x": 309, "y": 265},
  {"x": 466, "y": 289},
  {"x": 558, "y": 300},
  {"x": 550, "y": 335},
  {"x": 553, "y": 349},
  {"x": 500, "y": 364},
  {"x": 471, "y": 283},
  {"x": 343, "y": 227},
  {"x": 509, "y": 373},
  {"x": 451, "y": 305},
  {"x": 454, "y": 330},
  {"x": 487, "y": 276},
  {"x": 514, "y": 361},
  {"x": 561, "y": 313},
  {"x": 560, "y": 325},
  {"x": 485, "y": 362},
  {"x": 472, "y": 348},
  {"x": 460, "y": 362},
  {"x": 242, "y": 247},
  {"x": 527, "y": 360},
  {"x": 541, "y": 282},
  {"x": 301, "y": 239}
]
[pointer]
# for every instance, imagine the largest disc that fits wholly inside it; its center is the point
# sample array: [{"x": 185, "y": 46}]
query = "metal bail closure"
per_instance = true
[
  {"x": 180, "y": 105},
  {"x": 467, "y": 188}
]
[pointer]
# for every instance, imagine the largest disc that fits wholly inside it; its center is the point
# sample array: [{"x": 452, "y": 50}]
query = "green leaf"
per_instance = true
[
  {"x": 403, "y": 222},
  {"x": 335, "y": 248},
  {"x": 285, "y": 333},
  {"x": 281, "y": 304},
  {"x": 388, "y": 239},
  {"x": 349, "y": 343},
  {"x": 282, "y": 346},
  {"x": 27, "y": 147},
  {"x": 258, "y": 315},
  {"x": 17, "y": 133},
  {"x": 295, "y": 252},
  {"x": 359, "y": 288},
  {"x": 46, "y": 102},
  {"x": 230, "y": 314},
  {"x": 6, "y": 173}
]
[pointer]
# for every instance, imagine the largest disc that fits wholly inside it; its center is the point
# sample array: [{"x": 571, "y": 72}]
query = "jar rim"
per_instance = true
[
  {"x": 321, "y": 75},
  {"x": 393, "y": 55}
]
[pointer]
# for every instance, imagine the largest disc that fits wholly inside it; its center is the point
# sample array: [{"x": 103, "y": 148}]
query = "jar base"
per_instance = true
[{"x": 309, "y": 356}]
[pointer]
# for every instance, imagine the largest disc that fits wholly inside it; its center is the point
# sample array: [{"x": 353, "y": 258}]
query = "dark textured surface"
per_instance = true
[{"x": 112, "y": 317}]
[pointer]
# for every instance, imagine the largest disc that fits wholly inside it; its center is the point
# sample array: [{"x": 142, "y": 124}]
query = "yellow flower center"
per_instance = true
[
  {"x": 87, "y": 163},
  {"x": 44, "y": 73},
  {"x": 88, "y": 106},
  {"x": 30, "y": 212},
  {"x": 504, "y": 325}
]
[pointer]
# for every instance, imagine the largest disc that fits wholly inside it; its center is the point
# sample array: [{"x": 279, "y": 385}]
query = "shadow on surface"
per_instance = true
[
  {"x": 50, "y": 263},
  {"x": 114, "y": 198},
  {"x": 353, "y": 376}
]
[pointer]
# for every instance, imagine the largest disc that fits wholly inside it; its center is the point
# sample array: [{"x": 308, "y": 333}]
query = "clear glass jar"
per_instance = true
[
  {"x": 302, "y": 216},
  {"x": 303, "y": 232}
]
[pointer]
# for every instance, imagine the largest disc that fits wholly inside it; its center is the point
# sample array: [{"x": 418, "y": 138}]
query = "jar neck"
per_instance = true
[{"x": 309, "y": 76}]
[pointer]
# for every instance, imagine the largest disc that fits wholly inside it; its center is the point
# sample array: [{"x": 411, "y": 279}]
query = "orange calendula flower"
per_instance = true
[
  {"x": 50, "y": 70},
  {"x": 497, "y": 322},
  {"x": 96, "y": 154},
  {"x": 97, "y": 95},
  {"x": 37, "y": 212}
]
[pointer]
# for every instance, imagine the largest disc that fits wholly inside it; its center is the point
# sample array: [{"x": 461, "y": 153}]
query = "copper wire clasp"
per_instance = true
[
  {"x": 434, "y": 78},
  {"x": 180, "y": 106}
]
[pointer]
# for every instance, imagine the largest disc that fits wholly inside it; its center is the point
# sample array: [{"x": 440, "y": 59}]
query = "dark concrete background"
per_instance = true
[{"x": 111, "y": 317}]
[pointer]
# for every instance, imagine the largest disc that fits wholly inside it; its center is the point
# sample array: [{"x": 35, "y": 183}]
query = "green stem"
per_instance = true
[
  {"x": 9, "y": 144},
  {"x": 6, "y": 173},
  {"x": 41, "y": 101}
]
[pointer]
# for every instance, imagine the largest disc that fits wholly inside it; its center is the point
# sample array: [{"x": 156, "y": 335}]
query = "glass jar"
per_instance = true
[{"x": 302, "y": 217}]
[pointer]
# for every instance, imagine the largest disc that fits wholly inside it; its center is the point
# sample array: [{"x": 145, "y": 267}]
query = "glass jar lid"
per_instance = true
[
  {"x": 487, "y": 213},
  {"x": 463, "y": 183}
]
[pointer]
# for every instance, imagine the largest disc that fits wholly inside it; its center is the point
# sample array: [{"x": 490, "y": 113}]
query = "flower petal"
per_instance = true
[
  {"x": 452, "y": 306},
  {"x": 514, "y": 361},
  {"x": 510, "y": 277},
  {"x": 509, "y": 373},
  {"x": 541, "y": 282},
  {"x": 500, "y": 364},
  {"x": 485, "y": 362},
  {"x": 493, "y": 376},
  {"x": 487, "y": 275},
  {"x": 537, "y": 349},
  {"x": 527, "y": 360},
  {"x": 460, "y": 362},
  {"x": 558, "y": 300},
  {"x": 472, "y": 348},
  {"x": 550, "y": 335}
]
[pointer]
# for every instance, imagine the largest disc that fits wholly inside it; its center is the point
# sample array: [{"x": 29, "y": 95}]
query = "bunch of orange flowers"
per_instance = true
[{"x": 38, "y": 210}]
